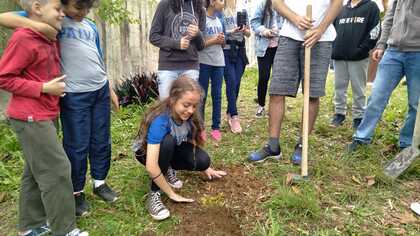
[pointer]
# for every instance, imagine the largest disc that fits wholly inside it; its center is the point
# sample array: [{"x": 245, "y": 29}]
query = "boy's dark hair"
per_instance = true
[{"x": 86, "y": 4}]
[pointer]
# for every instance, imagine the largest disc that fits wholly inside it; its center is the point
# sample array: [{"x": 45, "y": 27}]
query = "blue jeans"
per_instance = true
[
  {"x": 167, "y": 77},
  {"x": 392, "y": 68},
  {"x": 215, "y": 74},
  {"x": 86, "y": 120},
  {"x": 234, "y": 70}
]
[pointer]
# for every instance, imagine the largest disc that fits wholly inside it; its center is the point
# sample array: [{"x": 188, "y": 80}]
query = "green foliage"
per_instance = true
[
  {"x": 6, "y": 5},
  {"x": 115, "y": 12},
  {"x": 335, "y": 201}
]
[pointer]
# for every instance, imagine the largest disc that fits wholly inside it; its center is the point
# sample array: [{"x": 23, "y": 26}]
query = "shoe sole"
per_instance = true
[
  {"x": 84, "y": 214},
  {"x": 159, "y": 218},
  {"x": 106, "y": 200},
  {"x": 174, "y": 186},
  {"x": 277, "y": 158}
]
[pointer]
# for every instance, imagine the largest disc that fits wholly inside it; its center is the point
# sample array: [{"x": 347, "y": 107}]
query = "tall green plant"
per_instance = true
[
  {"x": 6, "y": 5},
  {"x": 115, "y": 12}
]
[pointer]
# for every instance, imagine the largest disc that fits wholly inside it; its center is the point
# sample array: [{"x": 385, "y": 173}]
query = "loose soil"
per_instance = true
[{"x": 229, "y": 206}]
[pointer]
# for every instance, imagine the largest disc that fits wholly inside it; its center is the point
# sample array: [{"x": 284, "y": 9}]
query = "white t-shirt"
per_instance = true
[{"x": 319, "y": 10}]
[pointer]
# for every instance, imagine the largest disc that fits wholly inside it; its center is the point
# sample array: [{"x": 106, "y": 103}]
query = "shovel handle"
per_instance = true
[{"x": 306, "y": 85}]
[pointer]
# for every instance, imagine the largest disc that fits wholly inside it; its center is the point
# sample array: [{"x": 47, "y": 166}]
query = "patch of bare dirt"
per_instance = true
[{"x": 229, "y": 206}]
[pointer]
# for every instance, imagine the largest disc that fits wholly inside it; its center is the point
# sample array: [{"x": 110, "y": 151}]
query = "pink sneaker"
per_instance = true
[
  {"x": 235, "y": 125},
  {"x": 216, "y": 135}
]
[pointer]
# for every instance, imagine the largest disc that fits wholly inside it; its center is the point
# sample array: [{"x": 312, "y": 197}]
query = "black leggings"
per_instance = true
[
  {"x": 264, "y": 70},
  {"x": 180, "y": 157}
]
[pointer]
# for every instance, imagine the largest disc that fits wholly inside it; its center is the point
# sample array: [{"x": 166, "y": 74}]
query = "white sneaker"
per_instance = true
[
  {"x": 77, "y": 232},
  {"x": 415, "y": 206}
]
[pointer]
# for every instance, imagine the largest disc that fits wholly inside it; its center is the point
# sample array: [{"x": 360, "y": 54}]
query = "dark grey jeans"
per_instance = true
[{"x": 46, "y": 192}]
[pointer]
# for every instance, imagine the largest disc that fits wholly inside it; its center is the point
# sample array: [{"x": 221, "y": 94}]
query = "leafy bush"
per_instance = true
[{"x": 138, "y": 88}]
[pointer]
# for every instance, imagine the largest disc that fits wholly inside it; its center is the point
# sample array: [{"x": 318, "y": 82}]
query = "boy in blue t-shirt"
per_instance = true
[{"x": 85, "y": 110}]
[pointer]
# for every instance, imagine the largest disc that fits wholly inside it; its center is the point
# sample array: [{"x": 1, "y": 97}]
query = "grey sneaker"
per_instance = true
[
  {"x": 77, "y": 232},
  {"x": 42, "y": 230},
  {"x": 354, "y": 146},
  {"x": 337, "y": 120},
  {"x": 173, "y": 181},
  {"x": 82, "y": 206},
  {"x": 154, "y": 205},
  {"x": 106, "y": 193},
  {"x": 260, "y": 112}
]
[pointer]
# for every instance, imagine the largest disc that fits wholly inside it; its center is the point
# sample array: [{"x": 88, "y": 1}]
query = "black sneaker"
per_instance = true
[
  {"x": 356, "y": 122},
  {"x": 106, "y": 193},
  {"x": 337, "y": 120},
  {"x": 354, "y": 146},
  {"x": 40, "y": 231},
  {"x": 82, "y": 206}
]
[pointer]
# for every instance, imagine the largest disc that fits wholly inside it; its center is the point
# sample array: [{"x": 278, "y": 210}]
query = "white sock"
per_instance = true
[
  {"x": 24, "y": 233},
  {"x": 97, "y": 183},
  {"x": 75, "y": 193}
]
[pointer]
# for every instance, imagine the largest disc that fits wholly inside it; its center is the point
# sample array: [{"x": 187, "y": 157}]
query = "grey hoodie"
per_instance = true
[
  {"x": 401, "y": 26},
  {"x": 166, "y": 31}
]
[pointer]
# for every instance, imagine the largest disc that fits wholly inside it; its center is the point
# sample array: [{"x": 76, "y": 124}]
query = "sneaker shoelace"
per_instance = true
[
  {"x": 171, "y": 175},
  {"x": 156, "y": 203}
]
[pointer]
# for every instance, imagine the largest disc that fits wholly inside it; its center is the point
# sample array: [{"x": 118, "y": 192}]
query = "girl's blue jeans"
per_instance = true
[
  {"x": 215, "y": 74},
  {"x": 234, "y": 70}
]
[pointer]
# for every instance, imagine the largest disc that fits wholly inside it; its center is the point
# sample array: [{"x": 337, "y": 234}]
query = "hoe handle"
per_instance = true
[{"x": 306, "y": 84}]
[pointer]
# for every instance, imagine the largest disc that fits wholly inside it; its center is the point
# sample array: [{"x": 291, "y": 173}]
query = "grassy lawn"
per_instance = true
[{"x": 253, "y": 199}]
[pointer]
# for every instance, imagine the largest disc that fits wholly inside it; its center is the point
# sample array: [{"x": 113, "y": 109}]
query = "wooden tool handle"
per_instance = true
[{"x": 306, "y": 85}]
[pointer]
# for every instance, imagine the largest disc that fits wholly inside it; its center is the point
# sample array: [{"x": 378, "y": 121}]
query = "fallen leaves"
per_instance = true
[
  {"x": 369, "y": 180},
  {"x": 406, "y": 218}
]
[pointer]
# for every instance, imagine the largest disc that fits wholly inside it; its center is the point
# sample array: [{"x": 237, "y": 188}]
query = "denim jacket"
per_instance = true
[{"x": 261, "y": 43}]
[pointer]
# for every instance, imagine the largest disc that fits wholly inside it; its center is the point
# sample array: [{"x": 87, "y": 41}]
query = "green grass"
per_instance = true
[{"x": 336, "y": 200}]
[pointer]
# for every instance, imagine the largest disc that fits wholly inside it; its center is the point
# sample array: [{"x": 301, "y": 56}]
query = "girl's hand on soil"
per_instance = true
[
  {"x": 312, "y": 36},
  {"x": 178, "y": 198},
  {"x": 377, "y": 54},
  {"x": 212, "y": 173},
  {"x": 303, "y": 22},
  {"x": 55, "y": 87},
  {"x": 45, "y": 29},
  {"x": 192, "y": 30},
  {"x": 185, "y": 42}
]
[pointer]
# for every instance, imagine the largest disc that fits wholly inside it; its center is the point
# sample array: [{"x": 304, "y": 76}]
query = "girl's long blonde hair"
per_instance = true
[{"x": 178, "y": 89}]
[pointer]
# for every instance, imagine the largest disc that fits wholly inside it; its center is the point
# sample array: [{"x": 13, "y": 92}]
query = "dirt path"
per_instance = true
[{"x": 223, "y": 207}]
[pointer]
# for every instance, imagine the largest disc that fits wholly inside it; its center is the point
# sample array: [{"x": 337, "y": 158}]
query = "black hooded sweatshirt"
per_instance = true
[
  {"x": 358, "y": 30},
  {"x": 167, "y": 29}
]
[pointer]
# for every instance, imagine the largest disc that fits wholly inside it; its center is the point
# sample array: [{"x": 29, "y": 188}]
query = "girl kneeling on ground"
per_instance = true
[{"x": 169, "y": 140}]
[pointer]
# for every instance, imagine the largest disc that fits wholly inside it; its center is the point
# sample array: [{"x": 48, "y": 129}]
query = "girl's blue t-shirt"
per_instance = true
[{"x": 163, "y": 125}]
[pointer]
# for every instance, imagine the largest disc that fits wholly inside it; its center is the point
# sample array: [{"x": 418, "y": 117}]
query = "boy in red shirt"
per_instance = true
[{"x": 30, "y": 70}]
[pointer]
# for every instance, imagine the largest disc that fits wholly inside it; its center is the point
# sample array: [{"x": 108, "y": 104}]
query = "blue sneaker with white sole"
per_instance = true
[
  {"x": 297, "y": 154},
  {"x": 263, "y": 154}
]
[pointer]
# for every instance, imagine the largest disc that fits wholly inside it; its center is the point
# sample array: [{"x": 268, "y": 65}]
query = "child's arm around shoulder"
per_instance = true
[
  {"x": 15, "y": 20},
  {"x": 16, "y": 58}
]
